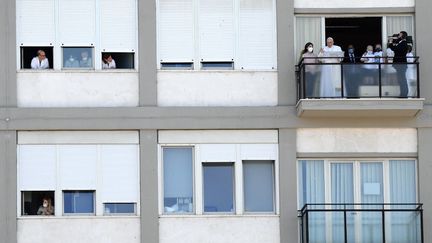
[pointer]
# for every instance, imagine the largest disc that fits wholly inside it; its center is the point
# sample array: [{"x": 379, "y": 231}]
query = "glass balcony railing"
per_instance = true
[
  {"x": 367, "y": 222},
  {"x": 331, "y": 77}
]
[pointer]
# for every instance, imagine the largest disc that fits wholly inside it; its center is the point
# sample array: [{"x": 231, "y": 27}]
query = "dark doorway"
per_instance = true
[
  {"x": 28, "y": 52},
  {"x": 359, "y": 32}
]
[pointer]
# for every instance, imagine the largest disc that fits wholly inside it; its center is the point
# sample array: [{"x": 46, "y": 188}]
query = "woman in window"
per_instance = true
[
  {"x": 46, "y": 208},
  {"x": 309, "y": 58},
  {"x": 108, "y": 62}
]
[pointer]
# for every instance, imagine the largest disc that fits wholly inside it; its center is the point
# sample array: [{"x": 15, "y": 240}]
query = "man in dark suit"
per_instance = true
[
  {"x": 352, "y": 75},
  {"x": 400, "y": 47}
]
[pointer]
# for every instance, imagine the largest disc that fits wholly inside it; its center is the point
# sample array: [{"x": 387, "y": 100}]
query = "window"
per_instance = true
[
  {"x": 78, "y": 202},
  {"x": 241, "y": 31},
  {"x": 258, "y": 186},
  {"x": 218, "y": 180},
  {"x": 178, "y": 179},
  {"x": 119, "y": 208},
  {"x": 122, "y": 60},
  {"x": 37, "y": 203},
  {"x": 78, "y": 57},
  {"x": 30, "y": 54},
  {"x": 177, "y": 65},
  {"x": 217, "y": 65}
]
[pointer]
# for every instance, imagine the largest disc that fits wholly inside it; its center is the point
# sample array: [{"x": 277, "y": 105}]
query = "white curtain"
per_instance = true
[
  {"x": 404, "y": 226},
  {"x": 311, "y": 183},
  {"x": 308, "y": 29}
]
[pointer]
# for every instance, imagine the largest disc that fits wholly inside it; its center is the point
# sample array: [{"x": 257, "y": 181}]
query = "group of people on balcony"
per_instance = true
[{"x": 329, "y": 72}]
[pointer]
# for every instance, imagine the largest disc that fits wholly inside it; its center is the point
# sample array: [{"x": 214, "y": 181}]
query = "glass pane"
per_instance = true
[
  {"x": 258, "y": 186},
  {"x": 342, "y": 183},
  {"x": 217, "y": 65},
  {"x": 218, "y": 187},
  {"x": 402, "y": 181},
  {"x": 119, "y": 208},
  {"x": 177, "y": 65},
  {"x": 78, "y": 202},
  {"x": 178, "y": 179},
  {"x": 78, "y": 57},
  {"x": 403, "y": 227},
  {"x": 37, "y": 203},
  {"x": 311, "y": 182},
  {"x": 330, "y": 80},
  {"x": 399, "y": 80},
  {"x": 361, "y": 80}
]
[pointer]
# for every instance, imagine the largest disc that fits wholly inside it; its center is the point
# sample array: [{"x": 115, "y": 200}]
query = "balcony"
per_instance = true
[
  {"x": 329, "y": 87},
  {"x": 367, "y": 222}
]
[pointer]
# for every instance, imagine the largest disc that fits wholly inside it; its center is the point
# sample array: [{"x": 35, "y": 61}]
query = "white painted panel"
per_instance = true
[
  {"x": 219, "y": 88},
  {"x": 77, "y": 89},
  {"x": 176, "y": 32},
  {"x": 37, "y": 167},
  {"x": 35, "y": 22},
  {"x": 78, "y": 137},
  {"x": 259, "y": 229},
  {"x": 120, "y": 166},
  {"x": 257, "y": 34},
  {"x": 259, "y": 151},
  {"x": 216, "y": 30},
  {"x": 78, "y": 166},
  {"x": 218, "y": 136},
  {"x": 396, "y": 24},
  {"x": 218, "y": 153},
  {"x": 82, "y": 230},
  {"x": 357, "y": 140},
  {"x": 77, "y": 22},
  {"x": 352, "y": 3},
  {"x": 118, "y": 25}
]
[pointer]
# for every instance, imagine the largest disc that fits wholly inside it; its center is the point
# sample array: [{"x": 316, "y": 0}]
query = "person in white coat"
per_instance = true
[
  {"x": 330, "y": 85},
  {"x": 40, "y": 61},
  {"x": 108, "y": 62}
]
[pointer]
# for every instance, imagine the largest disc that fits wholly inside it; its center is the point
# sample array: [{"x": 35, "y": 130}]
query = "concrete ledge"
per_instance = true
[
  {"x": 375, "y": 108},
  {"x": 379, "y": 10}
]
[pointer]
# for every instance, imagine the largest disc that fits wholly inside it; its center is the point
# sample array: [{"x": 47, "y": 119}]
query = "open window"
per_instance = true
[
  {"x": 37, "y": 203},
  {"x": 217, "y": 65},
  {"x": 28, "y": 53},
  {"x": 78, "y": 58},
  {"x": 118, "y": 60},
  {"x": 177, "y": 65}
]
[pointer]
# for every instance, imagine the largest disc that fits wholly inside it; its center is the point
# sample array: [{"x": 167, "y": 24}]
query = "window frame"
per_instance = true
[
  {"x": 119, "y": 214},
  {"x": 21, "y": 202},
  {"x": 162, "y": 181},
  {"x": 79, "y": 214},
  {"x": 63, "y": 68}
]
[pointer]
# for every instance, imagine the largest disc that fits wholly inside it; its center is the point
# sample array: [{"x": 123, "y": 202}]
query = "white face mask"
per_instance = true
[
  {"x": 310, "y": 49},
  {"x": 84, "y": 58},
  {"x": 45, "y": 204},
  {"x": 71, "y": 59}
]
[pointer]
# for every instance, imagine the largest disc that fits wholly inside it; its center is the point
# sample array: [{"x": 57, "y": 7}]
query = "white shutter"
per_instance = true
[
  {"x": 217, "y": 152},
  {"x": 120, "y": 170},
  {"x": 37, "y": 167},
  {"x": 259, "y": 151},
  {"x": 35, "y": 22},
  {"x": 78, "y": 167},
  {"x": 396, "y": 24},
  {"x": 257, "y": 38},
  {"x": 77, "y": 22},
  {"x": 176, "y": 32},
  {"x": 216, "y": 30},
  {"x": 308, "y": 29},
  {"x": 118, "y": 25}
]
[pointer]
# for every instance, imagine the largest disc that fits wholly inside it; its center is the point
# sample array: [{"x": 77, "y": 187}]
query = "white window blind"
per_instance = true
[
  {"x": 120, "y": 168},
  {"x": 176, "y": 30},
  {"x": 78, "y": 166},
  {"x": 396, "y": 24},
  {"x": 257, "y": 34},
  {"x": 216, "y": 30},
  {"x": 35, "y": 22},
  {"x": 118, "y": 25},
  {"x": 37, "y": 167},
  {"x": 218, "y": 152},
  {"x": 77, "y": 21}
]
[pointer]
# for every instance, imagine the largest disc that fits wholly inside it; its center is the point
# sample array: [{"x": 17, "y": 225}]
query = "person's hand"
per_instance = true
[{"x": 321, "y": 50}]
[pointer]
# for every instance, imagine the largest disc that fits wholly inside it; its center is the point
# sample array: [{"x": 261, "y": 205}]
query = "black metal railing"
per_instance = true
[
  {"x": 362, "y": 222},
  {"x": 333, "y": 77}
]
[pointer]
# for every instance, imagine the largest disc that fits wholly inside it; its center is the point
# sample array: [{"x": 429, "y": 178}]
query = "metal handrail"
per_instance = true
[{"x": 351, "y": 207}]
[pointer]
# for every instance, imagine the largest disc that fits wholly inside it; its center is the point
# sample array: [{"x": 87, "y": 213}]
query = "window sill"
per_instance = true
[
  {"x": 218, "y": 71},
  {"x": 78, "y": 71},
  {"x": 36, "y": 217},
  {"x": 219, "y": 216}
]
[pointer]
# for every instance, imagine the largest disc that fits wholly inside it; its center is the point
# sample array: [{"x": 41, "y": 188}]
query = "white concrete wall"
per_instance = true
[
  {"x": 217, "y": 88},
  {"x": 352, "y": 3},
  {"x": 357, "y": 140},
  {"x": 79, "y": 229},
  {"x": 219, "y": 229},
  {"x": 77, "y": 89}
]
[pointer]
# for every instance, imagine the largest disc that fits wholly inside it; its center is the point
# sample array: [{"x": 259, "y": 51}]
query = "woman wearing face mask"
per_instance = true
[
  {"x": 46, "y": 208},
  {"x": 309, "y": 59}
]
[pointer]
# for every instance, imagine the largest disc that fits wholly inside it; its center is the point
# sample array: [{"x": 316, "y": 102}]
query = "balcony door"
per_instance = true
[{"x": 352, "y": 182}]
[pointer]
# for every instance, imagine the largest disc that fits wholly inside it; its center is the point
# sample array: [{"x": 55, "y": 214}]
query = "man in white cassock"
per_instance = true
[{"x": 330, "y": 85}]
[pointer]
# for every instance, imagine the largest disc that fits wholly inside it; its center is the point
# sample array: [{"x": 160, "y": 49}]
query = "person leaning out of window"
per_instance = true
[
  {"x": 40, "y": 61},
  {"x": 309, "y": 57},
  {"x": 46, "y": 208},
  {"x": 108, "y": 62}
]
